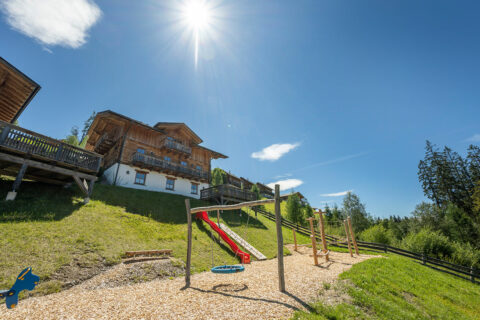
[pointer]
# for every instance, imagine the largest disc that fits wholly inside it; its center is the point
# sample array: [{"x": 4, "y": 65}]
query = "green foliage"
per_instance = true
[
  {"x": 294, "y": 209},
  {"x": 395, "y": 287},
  {"x": 307, "y": 211},
  {"x": 476, "y": 199},
  {"x": 356, "y": 210},
  {"x": 431, "y": 243},
  {"x": 256, "y": 190},
  {"x": 379, "y": 234},
  {"x": 217, "y": 177},
  {"x": 74, "y": 139}
]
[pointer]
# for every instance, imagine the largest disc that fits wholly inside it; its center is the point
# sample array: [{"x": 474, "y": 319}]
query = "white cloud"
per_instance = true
[
  {"x": 52, "y": 22},
  {"x": 275, "y": 151},
  {"x": 336, "y": 194},
  {"x": 286, "y": 184},
  {"x": 474, "y": 138}
]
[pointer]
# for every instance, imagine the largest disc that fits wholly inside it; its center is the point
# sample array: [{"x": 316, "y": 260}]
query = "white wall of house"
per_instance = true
[{"x": 154, "y": 181}]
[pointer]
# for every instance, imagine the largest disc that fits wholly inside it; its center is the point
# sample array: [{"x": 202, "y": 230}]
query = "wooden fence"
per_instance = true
[{"x": 468, "y": 273}]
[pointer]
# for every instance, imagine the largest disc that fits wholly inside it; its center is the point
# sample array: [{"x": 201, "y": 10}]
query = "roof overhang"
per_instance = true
[
  {"x": 16, "y": 91},
  {"x": 181, "y": 126}
]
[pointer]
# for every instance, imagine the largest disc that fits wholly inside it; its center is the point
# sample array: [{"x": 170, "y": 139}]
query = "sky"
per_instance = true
[{"x": 321, "y": 96}]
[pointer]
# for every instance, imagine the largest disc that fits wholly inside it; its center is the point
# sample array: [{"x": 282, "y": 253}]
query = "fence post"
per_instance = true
[
  {"x": 385, "y": 248},
  {"x": 295, "y": 239},
  {"x": 424, "y": 260},
  {"x": 472, "y": 276}
]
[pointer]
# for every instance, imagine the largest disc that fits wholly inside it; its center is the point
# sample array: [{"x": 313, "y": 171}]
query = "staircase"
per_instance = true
[{"x": 257, "y": 254}]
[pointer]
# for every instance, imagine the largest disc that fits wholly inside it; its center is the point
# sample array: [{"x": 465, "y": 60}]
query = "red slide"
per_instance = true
[{"x": 245, "y": 257}]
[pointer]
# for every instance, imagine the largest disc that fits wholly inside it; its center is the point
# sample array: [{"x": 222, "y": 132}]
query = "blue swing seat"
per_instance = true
[{"x": 228, "y": 269}]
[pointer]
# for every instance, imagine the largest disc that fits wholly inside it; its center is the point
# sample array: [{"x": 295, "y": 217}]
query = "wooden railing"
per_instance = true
[
  {"x": 157, "y": 163},
  {"x": 35, "y": 145},
  {"x": 228, "y": 191},
  {"x": 465, "y": 272},
  {"x": 177, "y": 146}
]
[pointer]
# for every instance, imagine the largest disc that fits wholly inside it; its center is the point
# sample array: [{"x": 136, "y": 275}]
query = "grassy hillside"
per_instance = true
[
  {"x": 49, "y": 229},
  {"x": 398, "y": 288}
]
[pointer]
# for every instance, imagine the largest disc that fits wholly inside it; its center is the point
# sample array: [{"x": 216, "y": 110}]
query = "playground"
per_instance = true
[{"x": 252, "y": 294}]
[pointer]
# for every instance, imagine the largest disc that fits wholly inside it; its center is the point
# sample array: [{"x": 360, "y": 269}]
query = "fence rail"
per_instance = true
[
  {"x": 20, "y": 140},
  {"x": 464, "y": 272}
]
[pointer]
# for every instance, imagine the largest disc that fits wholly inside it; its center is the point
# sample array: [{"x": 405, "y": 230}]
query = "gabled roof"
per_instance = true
[
  {"x": 215, "y": 154},
  {"x": 16, "y": 91},
  {"x": 286, "y": 195},
  {"x": 264, "y": 186},
  {"x": 181, "y": 126}
]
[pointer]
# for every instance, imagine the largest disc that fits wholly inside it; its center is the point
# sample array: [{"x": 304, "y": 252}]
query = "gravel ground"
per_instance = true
[{"x": 252, "y": 294}]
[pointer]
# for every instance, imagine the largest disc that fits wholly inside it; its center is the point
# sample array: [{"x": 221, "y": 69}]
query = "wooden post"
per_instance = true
[
  {"x": 314, "y": 241},
  {"x": 322, "y": 232},
  {"x": 189, "y": 243},
  {"x": 352, "y": 234},
  {"x": 18, "y": 179},
  {"x": 278, "y": 221},
  {"x": 348, "y": 238},
  {"x": 472, "y": 276},
  {"x": 295, "y": 239}
]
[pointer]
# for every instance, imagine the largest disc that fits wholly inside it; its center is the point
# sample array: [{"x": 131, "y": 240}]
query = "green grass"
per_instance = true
[
  {"x": 47, "y": 227},
  {"x": 398, "y": 288}
]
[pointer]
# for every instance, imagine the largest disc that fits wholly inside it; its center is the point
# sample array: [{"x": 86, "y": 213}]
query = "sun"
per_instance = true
[{"x": 197, "y": 15}]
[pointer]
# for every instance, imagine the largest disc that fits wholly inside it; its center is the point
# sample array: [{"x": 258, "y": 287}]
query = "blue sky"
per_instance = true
[{"x": 348, "y": 90}]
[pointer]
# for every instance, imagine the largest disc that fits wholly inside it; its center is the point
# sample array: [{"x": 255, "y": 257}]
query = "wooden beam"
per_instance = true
[
  {"x": 348, "y": 238},
  {"x": 352, "y": 234},
  {"x": 189, "y": 243},
  {"x": 18, "y": 179},
  {"x": 233, "y": 206},
  {"x": 80, "y": 185},
  {"x": 322, "y": 232},
  {"x": 45, "y": 166},
  {"x": 278, "y": 221},
  {"x": 314, "y": 241}
]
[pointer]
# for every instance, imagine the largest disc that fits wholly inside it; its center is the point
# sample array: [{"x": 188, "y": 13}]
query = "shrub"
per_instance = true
[
  {"x": 378, "y": 234},
  {"x": 431, "y": 243},
  {"x": 465, "y": 255}
]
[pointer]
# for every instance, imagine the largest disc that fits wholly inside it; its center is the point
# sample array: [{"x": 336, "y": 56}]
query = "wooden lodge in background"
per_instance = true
[
  {"x": 28, "y": 154},
  {"x": 165, "y": 157}
]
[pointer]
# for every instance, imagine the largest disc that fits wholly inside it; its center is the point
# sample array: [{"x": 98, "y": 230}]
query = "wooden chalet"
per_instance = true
[
  {"x": 165, "y": 157},
  {"x": 28, "y": 154},
  {"x": 246, "y": 184},
  {"x": 265, "y": 191},
  {"x": 232, "y": 180},
  {"x": 300, "y": 196}
]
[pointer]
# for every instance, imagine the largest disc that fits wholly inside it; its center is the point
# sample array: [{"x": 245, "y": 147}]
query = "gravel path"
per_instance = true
[{"x": 252, "y": 294}]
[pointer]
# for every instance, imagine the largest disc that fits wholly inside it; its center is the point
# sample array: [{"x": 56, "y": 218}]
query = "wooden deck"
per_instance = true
[
  {"x": 24, "y": 153},
  {"x": 226, "y": 192}
]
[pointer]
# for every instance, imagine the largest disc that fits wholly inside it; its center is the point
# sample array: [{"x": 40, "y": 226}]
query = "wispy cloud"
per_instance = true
[
  {"x": 332, "y": 161},
  {"x": 336, "y": 194},
  {"x": 286, "y": 184},
  {"x": 281, "y": 176},
  {"x": 275, "y": 151},
  {"x": 474, "y": 138},
  {"x": 52, "y": 22}
]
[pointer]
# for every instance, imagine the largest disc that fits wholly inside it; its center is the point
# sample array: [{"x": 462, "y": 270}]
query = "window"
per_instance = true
[
  {"x": 183, "y": 163},
  {"x": 199, "y": 168},
  {"x": 170, "y": 138},
  {"x": 167, "y": 158},
  {"x": 140, "y": 178},
  {"x": 194, "y": 188},
  {"x": 140, "y": 150},
  {"x": 170, "y": 184}
]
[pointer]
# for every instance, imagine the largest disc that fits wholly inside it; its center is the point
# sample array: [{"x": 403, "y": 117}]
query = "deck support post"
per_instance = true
[
  {"x": 18, "y": 180},
  {"x": 278, "y": 221},
  {"x": 189, "y": 243}
]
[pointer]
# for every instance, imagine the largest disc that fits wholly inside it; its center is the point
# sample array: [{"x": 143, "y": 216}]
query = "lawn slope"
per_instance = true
[
  {"x": 398, "y": 288},
  {"x": 49, "y": 229}
]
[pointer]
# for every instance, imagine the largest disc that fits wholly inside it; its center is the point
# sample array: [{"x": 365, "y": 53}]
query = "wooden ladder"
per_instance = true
[{"x": 257, "y": 254}]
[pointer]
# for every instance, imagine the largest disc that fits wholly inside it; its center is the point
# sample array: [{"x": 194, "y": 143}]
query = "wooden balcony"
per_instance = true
[
  {"x": 176, "y": 147},
  {"x": 32, "y": 145},
  {"x": 158, "y": 164},
  {"x": 227, "y": 192}
]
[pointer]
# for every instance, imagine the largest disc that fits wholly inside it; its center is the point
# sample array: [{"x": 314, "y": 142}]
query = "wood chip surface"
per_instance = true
[{"x": 252, "y": 294}]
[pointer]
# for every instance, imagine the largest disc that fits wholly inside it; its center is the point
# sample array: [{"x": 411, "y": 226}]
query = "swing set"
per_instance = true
[{"x": 202, "y": 213}]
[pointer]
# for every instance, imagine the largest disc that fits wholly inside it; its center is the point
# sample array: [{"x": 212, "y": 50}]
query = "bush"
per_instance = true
[
  {"x": 378, "y": 234},
  {"x": 465, "y": 255},
  {"x": 431, "y": 243}
]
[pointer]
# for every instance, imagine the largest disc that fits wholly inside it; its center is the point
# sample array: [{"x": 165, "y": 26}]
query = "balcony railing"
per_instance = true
[
  {"x": 177, "y": 146},
  {"x": 22, "y": 141},
  {"x": 229, "y": 191},
  {"x": 156, "y": 163}
]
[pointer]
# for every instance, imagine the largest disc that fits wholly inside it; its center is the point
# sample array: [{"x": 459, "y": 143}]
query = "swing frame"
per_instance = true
[{"x": 278, "y": 221}]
